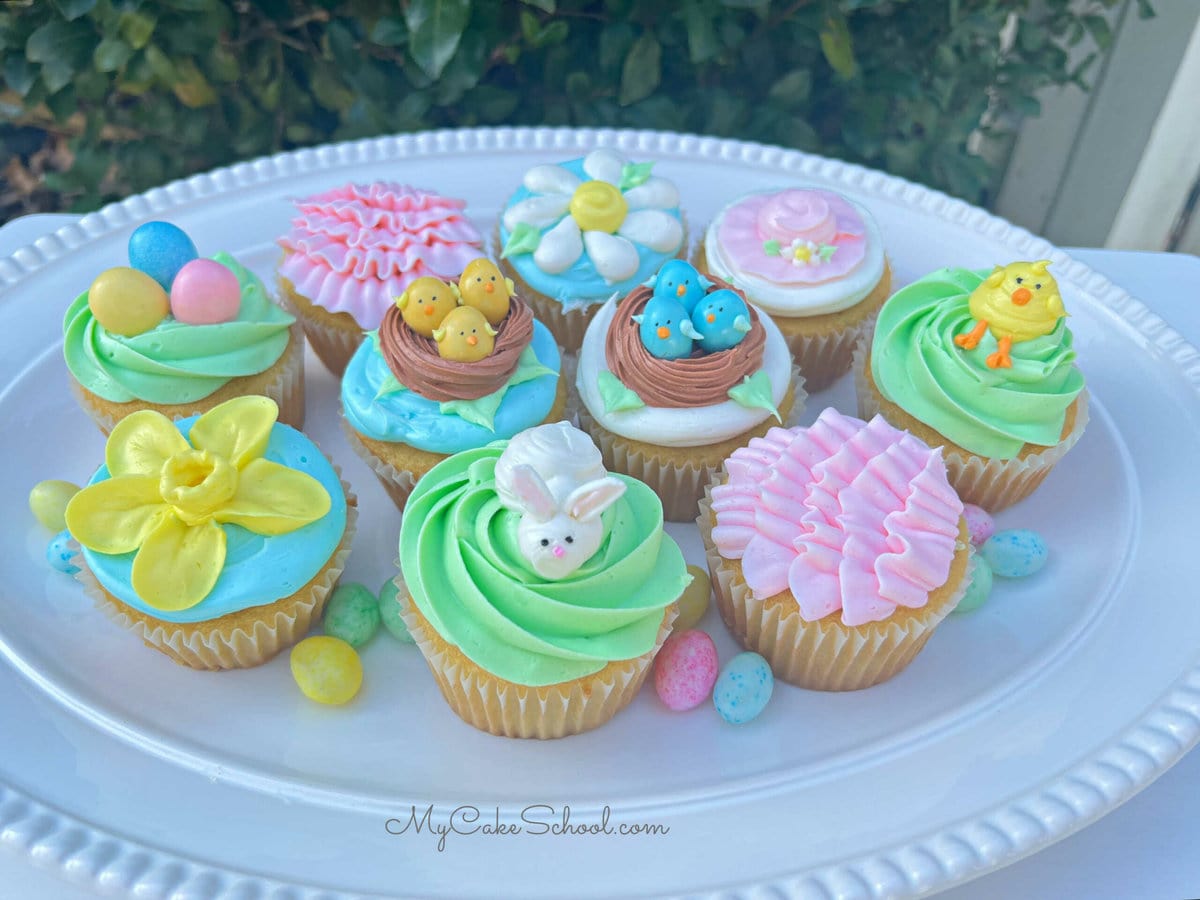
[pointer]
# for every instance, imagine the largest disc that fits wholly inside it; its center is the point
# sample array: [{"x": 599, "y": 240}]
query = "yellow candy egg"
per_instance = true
[
  {"x": 693, "y": 602},
  {"x": 127, "y": 302},
  {"x": 465, "y": 335},
  {"x": 48, "y": 502},
  {"x": 327, "y": 670}
]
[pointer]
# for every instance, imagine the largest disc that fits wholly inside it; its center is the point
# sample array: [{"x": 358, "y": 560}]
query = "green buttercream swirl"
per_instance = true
[
  {"x": 991, "y": 412},
  {"x": 460, "y": 560},
  {"x": 175, "y": 362}
]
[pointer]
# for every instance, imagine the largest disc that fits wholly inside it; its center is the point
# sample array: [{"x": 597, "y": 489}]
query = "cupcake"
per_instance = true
[
  {"x": 835, "y": 550},
  {"x": 215, "y": 539},
  {"x": 453, "y": 366},
  {"x": 179, "y": 335},
  {"x": 810, "y": 258},
  {"x": 538, "y": 586},
  {"x": 676, "y": 375},
  {"x": 980, "y": 364},
  {"x": 353, "y": 250},
  {"x": 576, "y": 233}
]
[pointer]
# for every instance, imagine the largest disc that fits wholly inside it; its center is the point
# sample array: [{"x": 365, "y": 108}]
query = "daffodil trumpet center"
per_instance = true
[
  {"x": 196, "y": 483},
  {"x": 598, "y": 206}
]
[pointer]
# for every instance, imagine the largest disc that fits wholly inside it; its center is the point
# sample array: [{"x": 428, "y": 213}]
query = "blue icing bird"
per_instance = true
[
  {"x": 680, "y": 281},
  {"x": 665, "y": 329},
  {"x": 721, "y": 319}
]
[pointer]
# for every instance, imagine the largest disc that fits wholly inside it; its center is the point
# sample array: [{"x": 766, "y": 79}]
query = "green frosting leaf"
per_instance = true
[
  {"x": 633, "y": 174},
  {"x": 389, "y": 385},
  {"x": 771, "y": 247},
  {"x": 755, "y": 392},
  {"x": 482, "y": 412},
  {"x": 826, "y": 252},
  {"x": 615, "y": 394},
  {"x": 524, "y": 239}
]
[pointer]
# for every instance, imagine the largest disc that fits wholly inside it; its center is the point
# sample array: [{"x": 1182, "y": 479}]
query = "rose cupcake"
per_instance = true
[
  {"x": 353, "y": 250},
  {"x": 980, "y": 364},
  {"x": 810, "y": 258},
  {"x": 676, "y": 375},
  {"x": 576, "y": 233},
  {"x": 538, "y": 587},
  {"x": 216, "y": 539},
  {"x": 453, "y": 366},
  {"x": 835, "y": 550}
]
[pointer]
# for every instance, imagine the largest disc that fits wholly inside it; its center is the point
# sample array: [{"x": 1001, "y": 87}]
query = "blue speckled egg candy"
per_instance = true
[
  {"x": 1015, "y": 553},
  {"x": 743, "y": 688},
  {"x": 59, "y": 553},
  {"x": 160, "y": 249}
]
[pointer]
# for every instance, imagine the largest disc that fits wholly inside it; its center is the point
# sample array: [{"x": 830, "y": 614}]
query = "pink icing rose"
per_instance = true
[
  {"x": 356, "y": 248},
  {"x": 846, "y": 515}
]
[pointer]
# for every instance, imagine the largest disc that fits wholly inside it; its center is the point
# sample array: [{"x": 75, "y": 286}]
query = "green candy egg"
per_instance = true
[
  {"x": 980, "y": 588},
  {"x": 352, "y": 614},
  {"x": 48, "y": 502},
  {"x": 389, "y": 612},
  {"x": 127, "y": 302}
]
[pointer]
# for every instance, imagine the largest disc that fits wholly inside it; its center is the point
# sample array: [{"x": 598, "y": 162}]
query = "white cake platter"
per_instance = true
[{"x": 1019, "y": 723}]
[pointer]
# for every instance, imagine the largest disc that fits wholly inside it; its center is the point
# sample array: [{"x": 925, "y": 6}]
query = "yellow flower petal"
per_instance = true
[
  {"x": 272, "y": 499},
  {"x": 178, "y": 564},
  {"x": 238, "y": 429},
  {"x": 140, "y": 444},
  {"x": 114, "y": 516}
]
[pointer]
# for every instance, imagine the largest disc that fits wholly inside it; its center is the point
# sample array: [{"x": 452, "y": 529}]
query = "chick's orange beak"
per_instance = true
[
  {"x": 488, "y": 287},
  {"x": 472, "y": 340},
  {"x": 1021, "y": 296},
  {"x": 681, "y": 290},
  {"x": 710, "y": 317},
  {"x": 428, "y": 309},
  {"x": 664, "y": 332}
]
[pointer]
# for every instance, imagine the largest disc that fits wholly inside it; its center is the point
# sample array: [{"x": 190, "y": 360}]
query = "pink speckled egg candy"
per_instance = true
[
  {"x": 980, "y": 525},
  {"x": 204, "y": 292},
  {"x": 686, "y": 670}
]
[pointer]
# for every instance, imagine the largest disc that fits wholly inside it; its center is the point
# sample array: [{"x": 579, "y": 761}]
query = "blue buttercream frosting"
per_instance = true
[
  {"x": 581, "y": 282},
  {"x": 258, "y": 569},
  {"x": 407, "y": 417}
]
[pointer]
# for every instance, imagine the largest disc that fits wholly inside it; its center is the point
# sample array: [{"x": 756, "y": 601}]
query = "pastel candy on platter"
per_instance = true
[
  {"x": 743, "y": 689},
  {"x": 685, "y": 670},
  {"x": 1016, "y": 552},
  {"x": 326, "y": 669},
  {"x": 59, "y": 553},
  {"x": 352, "y": 614},
  {"x": 48, "y": 502}
]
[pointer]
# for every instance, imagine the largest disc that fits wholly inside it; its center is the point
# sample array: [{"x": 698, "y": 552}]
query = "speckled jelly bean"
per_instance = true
[
  {"x": 693, "y": 602},
  {"x": 743, "y": 688},
  {"x": 1015, "y": 553},
  {"x": 326, "y": 670},
  {"x": 352, "y": 614},
  {"x": 59, "y": 553},
  {"x": 980, "y": 587},
  {"x": 160, "y": 249},
  {"x": 389, "y": 612},
  {"x": 48, "y": 502},
  {"x": 685, "y": 670},
  {"x": 980, "y": 524}
]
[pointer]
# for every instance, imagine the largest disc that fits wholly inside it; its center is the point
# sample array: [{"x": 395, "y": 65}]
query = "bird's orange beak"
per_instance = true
[
  {"x": 664, "y": 332},
  {"x": 710, "y": 317},
  {"x": 488, "y": 287},
  {"x": 1021, "y": 296},
  {"x": 429, "y": 309},
  {"x": 472, "y": 340},
  {"x": 681, "y": 290}
]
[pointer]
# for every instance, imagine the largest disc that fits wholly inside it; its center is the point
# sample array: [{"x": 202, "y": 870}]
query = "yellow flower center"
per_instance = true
[
  {"x": 802, "y": 253},
  {"x": 196, "y": 484},
  {"x": 598, "y": 206}
]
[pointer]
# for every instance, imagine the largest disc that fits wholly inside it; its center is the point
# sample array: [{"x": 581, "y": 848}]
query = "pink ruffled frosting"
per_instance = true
[
  {"x": 819, "y": 217},
  {"x": 356, "y": 248},
  {"x": 847, "y": 515}
]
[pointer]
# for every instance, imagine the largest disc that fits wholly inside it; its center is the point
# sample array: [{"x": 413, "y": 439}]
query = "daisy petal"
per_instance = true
[
  {"x": 550, "y": 180},
  {"x": 604, "y": 165},
  {"x": 114, "y": 516},
  {"x": 140, "y": 444},
  {"x": 272, "y": 499},
  {"x": 653, "y": 228},
  {"x": 237, "y": 430},
  {"x": 560, "y": 247},
  {"x": 657, "y": 193},
  {"x": 540, "y": 212},
  {"x": 614, "y": 257},
  {"x": 178, "y": 564}
]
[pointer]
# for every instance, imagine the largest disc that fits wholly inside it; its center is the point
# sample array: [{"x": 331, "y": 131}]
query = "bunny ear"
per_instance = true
[
  {"x": 589, "y": 500},
  {"x": 531, "y": 492}
]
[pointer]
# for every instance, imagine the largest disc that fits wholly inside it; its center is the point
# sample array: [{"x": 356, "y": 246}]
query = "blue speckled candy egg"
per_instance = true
[
  {"x": 981, "y": 585},
  {"x": 59, "y": 553},
  {"x": 1015, "y": 553},
  {"x": 160, "y": 249},
  {"x": 743, "y": 688}
]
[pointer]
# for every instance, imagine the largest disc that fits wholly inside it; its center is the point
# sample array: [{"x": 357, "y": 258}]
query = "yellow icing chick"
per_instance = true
[
  {"x": 425, "y": 304},
  {"x": 1017, "y": 302},
  {"x": 483, "y": 287},
  {"x": 465, "y": 335}
]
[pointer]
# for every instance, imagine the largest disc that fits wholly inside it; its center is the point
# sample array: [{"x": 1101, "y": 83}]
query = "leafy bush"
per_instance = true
[{"x": 101, "y": 98}]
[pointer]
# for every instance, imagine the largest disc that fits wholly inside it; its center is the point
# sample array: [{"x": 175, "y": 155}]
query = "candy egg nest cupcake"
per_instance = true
[
  {"x": 981, "y": 364},
  {"x": 810, "y": 258},
  {"x": 179, "y": 335},
  {"x": 354, "y": 249},
  {"x": 215, "y": 539},
  {"x": 538, "y": 587},
  {"x": 579, "y": 231},
  {"x": 835, "y": 550},
  {"x": 677, "y": 374},
  {"x": 453, "y": 366}
]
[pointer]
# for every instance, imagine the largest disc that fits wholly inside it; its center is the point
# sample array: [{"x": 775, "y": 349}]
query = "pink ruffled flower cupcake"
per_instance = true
[{"x": 353, "y": 250}]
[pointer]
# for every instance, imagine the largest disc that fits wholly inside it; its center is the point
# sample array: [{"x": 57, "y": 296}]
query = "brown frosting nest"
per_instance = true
[
  {"x": 414, "y": 359},
  {"x": 701, "y": 379}
]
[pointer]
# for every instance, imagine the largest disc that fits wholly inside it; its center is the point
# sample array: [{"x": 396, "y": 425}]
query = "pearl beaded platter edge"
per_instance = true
[{"x": 1019, "y": 724}]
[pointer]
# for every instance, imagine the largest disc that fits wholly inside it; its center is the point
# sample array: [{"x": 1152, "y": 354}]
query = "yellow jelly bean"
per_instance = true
[
  {"x": 693, "y": 602},
  {"x": 326, "y": 670},
  {"x": 127, "y": 302},
  {"x": 48, "y": 502}
]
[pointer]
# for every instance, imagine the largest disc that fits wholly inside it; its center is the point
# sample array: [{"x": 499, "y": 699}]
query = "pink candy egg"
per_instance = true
[
  {"x": 980, "y": 525},
  {"x": 204, "y": 292},
  {"x": 686, "y": 670}
]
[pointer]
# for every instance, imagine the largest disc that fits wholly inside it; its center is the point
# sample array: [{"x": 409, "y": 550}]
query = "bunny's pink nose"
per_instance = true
[{"x": 559, "y": 551}]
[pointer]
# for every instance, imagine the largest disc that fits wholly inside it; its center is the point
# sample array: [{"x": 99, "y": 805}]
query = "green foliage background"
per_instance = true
[{"x": 102, "y": 98}]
